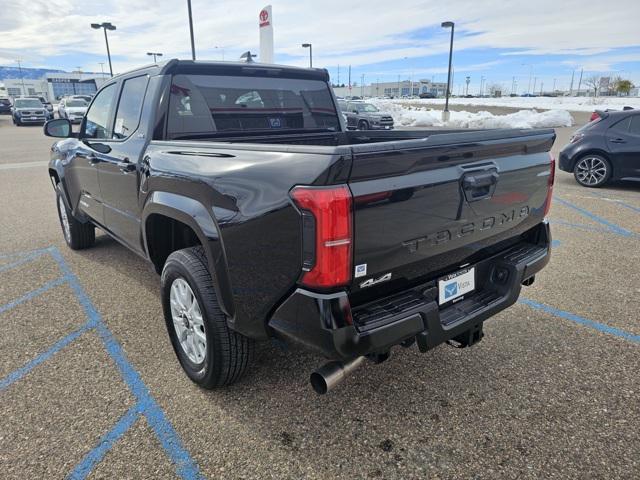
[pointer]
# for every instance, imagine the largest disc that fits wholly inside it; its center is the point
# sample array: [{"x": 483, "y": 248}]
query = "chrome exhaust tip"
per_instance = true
[{"x": 331, "y": 374}]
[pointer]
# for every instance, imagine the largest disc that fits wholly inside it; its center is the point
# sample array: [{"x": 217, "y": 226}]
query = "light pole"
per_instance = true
[
  {"x": 530, "y": 75},
  {"x": 24, "y": 90},
  {"x": 154, "y": 55},
  {"x": 310, "y": 47},
  {"x": 102, "y": 69},
  {"x": 445, "y": 113},
  {"x": 193, "y": 45},
  {"x": 362, "y": 86},
  {"x": 105, "y": 26},
  {"x": 222, "y": 49}
]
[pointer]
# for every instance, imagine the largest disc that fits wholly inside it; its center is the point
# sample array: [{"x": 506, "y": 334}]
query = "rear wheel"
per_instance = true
[
  {"x": 77, "y": 235},
  {"x": 211, "y": 354},
  {"x": 592, "y": 171},
  {"x": 363, "y": 125}
]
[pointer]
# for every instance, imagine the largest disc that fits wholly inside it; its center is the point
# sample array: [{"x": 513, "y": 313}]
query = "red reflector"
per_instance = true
[
  {"x": 331, "y": 208},
  {"x": 552, "y": 176}
]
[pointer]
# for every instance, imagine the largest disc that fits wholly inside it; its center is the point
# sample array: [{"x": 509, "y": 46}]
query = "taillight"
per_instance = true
[
  {"x": 326, "y": 215},
  {"x": 550, "y": 180}
]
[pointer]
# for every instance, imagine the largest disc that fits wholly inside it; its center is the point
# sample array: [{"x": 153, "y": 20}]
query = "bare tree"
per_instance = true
[{"x": 593, "y": 82}]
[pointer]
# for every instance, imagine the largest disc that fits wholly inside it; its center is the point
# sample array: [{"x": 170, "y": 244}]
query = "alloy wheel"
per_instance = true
[
  {"x": 591, "y": 171},
  {"x": 188, "y": 321}
]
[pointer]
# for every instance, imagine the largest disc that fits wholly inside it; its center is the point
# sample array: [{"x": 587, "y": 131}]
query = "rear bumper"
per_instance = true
[
  {"x": 565, "y": 162},
  {"x": 327, "y": 324}
]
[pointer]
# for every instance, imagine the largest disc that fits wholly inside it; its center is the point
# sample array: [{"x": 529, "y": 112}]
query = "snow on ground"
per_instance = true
[
  {"x": 575, "y": 104},
  {"x": 414, "y": 116}
]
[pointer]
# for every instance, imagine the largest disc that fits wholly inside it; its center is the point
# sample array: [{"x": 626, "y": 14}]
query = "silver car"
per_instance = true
[
  {"x": 365, "y": 116},
  {"x": 72, "y": 109}
]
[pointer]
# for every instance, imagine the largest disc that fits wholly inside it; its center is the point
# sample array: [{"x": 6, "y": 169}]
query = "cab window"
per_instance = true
[
  {"x": 129, "y": 107},
  {"x": 97, "y": 118}
]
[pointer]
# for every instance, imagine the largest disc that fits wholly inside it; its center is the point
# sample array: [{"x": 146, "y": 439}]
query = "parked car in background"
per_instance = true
[
  {"x": 607, "y": 148},
  {"x": 5, "y": 106},
  {"x": 366, "y": 116},
  {"x": 72, "y": 109},
  {"x": 47, "y": 104},
  {"x": 28, "y": 111}
]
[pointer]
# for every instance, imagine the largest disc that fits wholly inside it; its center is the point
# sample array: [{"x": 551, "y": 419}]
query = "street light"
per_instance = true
[
  {"x": 105, "y": 26},
  {"x": 308, "y": 45},
  {"x": 154, "y": 55},
  {"x": 193, "y": 45},
  {"x": 445, "y": 113}
]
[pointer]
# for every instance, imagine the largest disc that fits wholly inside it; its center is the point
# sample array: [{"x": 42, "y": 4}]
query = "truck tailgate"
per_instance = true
[{"x": 425, "y": 207}]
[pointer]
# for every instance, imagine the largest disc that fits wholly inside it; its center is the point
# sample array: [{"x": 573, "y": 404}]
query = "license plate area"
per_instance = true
[{"x": 456, "y": 285}]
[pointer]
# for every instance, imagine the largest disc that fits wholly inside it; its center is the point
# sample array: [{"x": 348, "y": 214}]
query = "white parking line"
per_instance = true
[{"x": 12, "y": 166}]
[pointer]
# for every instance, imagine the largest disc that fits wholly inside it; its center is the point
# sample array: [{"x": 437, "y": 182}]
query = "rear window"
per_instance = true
[{"x": 210, "y": 105}]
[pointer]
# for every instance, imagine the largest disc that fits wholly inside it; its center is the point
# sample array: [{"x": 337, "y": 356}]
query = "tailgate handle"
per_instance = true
[{"x": 479, "y": 186}]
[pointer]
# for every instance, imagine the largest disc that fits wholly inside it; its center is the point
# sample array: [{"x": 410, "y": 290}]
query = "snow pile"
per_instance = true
[
  {"x": 573, "y": 104},
  {"x": 411, "y": 116}
]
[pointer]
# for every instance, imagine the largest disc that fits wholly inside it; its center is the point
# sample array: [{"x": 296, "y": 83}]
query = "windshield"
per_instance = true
[
  {"x": 76, "y": 103},
  {"x": 365, "y": 107},
  {"x": 28, "y": 103},
  {"x": 207, "y": 104}
]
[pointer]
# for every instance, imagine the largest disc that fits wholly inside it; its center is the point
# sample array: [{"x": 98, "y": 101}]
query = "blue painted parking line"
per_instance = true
[
  {"x": 610, "y": 225},
  {"x": 626, "y": 205},
  {"x": 84, "y": 468},
  {"x": 581, "y": 226},
  {"x": 43, "y": 357},
  {"x": 555, "y": 243},
  {"x": 601, "y": 327},
  {"x": 32, "y": 294},
  {"x": 146, "y": 405},
  {"x": 21, "y": 261}
]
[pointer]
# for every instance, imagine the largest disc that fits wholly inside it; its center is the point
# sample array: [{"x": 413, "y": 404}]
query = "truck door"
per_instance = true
[
  {"x": 82, "y": 176},
  {"x": 118, "y": 171}
]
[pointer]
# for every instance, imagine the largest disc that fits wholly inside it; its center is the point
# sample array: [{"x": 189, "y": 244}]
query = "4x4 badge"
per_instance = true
[{"x": 373, "y": 281}]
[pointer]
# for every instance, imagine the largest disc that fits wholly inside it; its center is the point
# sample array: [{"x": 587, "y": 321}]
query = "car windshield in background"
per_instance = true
[
  {"x": 365, "y": 107},
  {"x": 76, "y": 103},
  {"x": 28, "y": 103},
  {"x": 204, "y": 105}
]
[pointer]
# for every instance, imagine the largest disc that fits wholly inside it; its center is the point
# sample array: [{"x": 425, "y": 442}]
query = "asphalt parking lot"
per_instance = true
[{"x": 90, "y": 387}]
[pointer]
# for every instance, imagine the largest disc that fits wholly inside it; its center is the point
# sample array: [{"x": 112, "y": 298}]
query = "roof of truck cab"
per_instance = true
[{"x": 203, "y": 67}]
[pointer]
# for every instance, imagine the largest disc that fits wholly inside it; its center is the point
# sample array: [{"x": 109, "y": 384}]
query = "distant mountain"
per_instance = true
[{"x": 27, "y": 73}]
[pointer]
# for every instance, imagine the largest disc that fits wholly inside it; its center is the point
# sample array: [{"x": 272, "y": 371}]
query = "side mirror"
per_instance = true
[{"x": 60, "y": 128}]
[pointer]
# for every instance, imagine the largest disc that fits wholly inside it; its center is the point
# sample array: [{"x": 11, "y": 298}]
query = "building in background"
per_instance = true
[
  {"x": 53, "y": 86},
  {"x": 403, "y": 88}
]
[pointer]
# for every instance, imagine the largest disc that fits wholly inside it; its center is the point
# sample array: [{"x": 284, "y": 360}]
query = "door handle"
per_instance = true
[
  {"x": 618, "y": 140},
  {"x": 479, "y": 186}
]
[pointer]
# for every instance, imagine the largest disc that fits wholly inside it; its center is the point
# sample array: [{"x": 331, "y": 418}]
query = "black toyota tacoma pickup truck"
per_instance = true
[{"x": 266, "y": 218}]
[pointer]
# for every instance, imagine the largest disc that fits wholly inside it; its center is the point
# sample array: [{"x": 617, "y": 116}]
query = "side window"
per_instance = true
[
  {"x": 129, "y": 107},
  {"x": 634, "y": 129},
  {"x": 622, "y": 126},
  {"x": 97, "y": 118}
]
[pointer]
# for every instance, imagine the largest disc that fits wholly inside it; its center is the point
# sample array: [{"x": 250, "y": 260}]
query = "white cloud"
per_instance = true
[{"x": 357, "y": 33}]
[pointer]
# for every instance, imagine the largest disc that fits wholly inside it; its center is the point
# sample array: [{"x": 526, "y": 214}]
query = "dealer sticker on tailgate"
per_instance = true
[{"x": 456, "y": 285}]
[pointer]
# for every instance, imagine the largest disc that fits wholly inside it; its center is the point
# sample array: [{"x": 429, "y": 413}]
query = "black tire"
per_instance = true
[
  {"x": 363, "y": 125},
  {"x": 79, "y": 235},
  {"x": 227, "y": 353},
  {"x": 592, "y": 170}
]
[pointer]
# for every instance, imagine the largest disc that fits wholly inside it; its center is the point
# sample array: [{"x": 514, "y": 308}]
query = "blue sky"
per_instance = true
[{"x": 494, "y": 39}]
